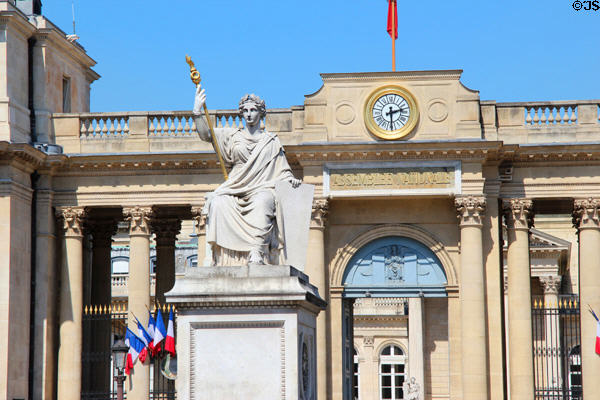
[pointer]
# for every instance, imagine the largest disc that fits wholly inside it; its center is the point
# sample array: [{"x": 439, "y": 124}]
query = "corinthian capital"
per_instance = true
[
  {"x": 139, "y": 219},
  {"x": 586, "y": 213},
  {"x": 199, "y": 216},
  {"x": 551, "y": 284},
  {"x": 470, "y": 209},
  {"x": 73, "y": 219},
  {"x": 320, "y": 211},
  {"x": 518, "y": 213}
]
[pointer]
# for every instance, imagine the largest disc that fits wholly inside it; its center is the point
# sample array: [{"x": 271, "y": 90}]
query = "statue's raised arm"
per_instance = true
[{"x": 199, "y": 119}]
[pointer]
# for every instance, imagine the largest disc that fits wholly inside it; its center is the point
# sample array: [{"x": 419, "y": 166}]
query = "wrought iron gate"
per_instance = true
[
  {"x": 556, "y": 349},
  {"x": 102, "y": 326}
]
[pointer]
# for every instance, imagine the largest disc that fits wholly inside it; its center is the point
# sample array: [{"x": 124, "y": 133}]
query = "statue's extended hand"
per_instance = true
[
  {"x": 295, "y": 182},
  {"x": 199, "y": 100}
]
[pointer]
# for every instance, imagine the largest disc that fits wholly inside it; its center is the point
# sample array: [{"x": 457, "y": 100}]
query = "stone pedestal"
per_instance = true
[{"x": 246, "y": 332}]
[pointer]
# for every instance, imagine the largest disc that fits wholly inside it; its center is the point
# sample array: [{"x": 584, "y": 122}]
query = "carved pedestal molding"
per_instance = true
[
  {"x": 319, "y": 214},
  {"x": 519, "y": 218},
  {"x": 71, "y": 304},
  {"x": 551, "y": 284},
  {"x": 138, "y": 286},
  {"x": 586, "y": 216},
  {"x": 471, "y": 211}
]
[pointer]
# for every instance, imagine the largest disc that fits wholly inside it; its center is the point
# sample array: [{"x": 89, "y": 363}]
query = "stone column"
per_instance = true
[
  {"x": 551, "y": 286},
  {"x": 316, "y": 271},
  {"x": 416, "y": 363},
  {"x": 587, "y": 220},
  {"x": 138, "y": 287},
  {"x": 472, "y": 298},
  {"x": 200, "y": 226},
  {"x": 166, "y": 231},
  {"x": 519, "y": 218},
  {"x": 71, "y": 305}
]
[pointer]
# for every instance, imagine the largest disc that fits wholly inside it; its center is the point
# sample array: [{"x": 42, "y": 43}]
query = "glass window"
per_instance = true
[
  {"x": 120, "y": 265},
  {"x": 391, "y": 373},
  {"x": 66, "y": 94}
]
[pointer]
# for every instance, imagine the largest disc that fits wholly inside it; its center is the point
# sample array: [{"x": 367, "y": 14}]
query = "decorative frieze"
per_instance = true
[
  {"x": 319, "y": 213},
  {"x": 518, "y": 213},
  {"x": 470, "y": 209},
  {"x": 139, "y": 219},
  {"x": 586, "y": 213},
  {"x": 73, "y": 219},
  {"x": 551, "y": 284}
]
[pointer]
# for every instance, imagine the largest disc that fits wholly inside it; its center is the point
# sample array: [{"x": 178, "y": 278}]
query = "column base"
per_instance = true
[{"x": 246, "y": 332}]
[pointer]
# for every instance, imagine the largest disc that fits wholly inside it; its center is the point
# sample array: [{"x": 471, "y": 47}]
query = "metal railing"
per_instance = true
[
  {"x": 556, "y": 347},
  {"x": 102, "y": 326}
]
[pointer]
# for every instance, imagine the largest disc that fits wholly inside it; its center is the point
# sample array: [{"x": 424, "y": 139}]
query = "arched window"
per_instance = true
[
  {"x": 355, "y": 377},
  {"x": 392, "y": 366},
  {"x": 192, "y": 261}
]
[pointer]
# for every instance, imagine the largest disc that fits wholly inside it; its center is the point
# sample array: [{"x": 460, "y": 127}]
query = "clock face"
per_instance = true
[{"x": 391, "y": 112}]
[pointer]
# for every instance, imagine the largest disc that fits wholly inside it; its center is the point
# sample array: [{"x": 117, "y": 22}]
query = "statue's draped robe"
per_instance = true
[{"x": 242, "y": 212}]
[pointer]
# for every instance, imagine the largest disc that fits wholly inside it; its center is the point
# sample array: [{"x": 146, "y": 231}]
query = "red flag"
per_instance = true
[{"x": 392, "y": 22}]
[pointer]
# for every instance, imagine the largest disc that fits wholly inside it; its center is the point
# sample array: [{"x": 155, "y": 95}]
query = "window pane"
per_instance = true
[
  {"x": 386, "y": 393},
  {"x": 399, "y": 380},
  {"x": 386, "y": 368},
  {"x": 386, "y": 351},
  {"x": 399, "y": 394},
  {"x": 399, "y": 368},
  {"x": 397, "y": 351},
  {"x": 386, "y": 380}
]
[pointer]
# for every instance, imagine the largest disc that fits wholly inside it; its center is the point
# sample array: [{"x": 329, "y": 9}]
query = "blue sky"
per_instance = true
[{"x": 509, "y": 50}]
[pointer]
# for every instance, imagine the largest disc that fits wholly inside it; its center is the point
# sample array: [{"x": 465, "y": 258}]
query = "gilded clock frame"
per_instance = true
[{"x": 398, "y": 133}]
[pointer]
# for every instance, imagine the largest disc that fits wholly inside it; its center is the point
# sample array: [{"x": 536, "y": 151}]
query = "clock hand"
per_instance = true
[{"x": 393, "y": 111}]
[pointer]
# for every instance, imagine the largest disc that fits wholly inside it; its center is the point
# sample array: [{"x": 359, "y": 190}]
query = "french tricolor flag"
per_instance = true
[
  {"x": 597, "y": 330},
  {"x": 145, "y": 337},
  {"x": 151, "y": 330},
  {"x": 136, "y": 346},
  {"x": 159, "y": 331},
  {"x": 170, "y": 340}
]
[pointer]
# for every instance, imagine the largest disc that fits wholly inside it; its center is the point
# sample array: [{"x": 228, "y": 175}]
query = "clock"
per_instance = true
[{"x": 391, "y": 112}]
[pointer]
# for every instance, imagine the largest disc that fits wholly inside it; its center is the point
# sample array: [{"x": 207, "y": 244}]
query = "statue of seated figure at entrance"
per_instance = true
[{"x": 244, "y": 219}]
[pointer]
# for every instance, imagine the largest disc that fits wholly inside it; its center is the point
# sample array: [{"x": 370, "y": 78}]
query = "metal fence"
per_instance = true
[
  {"x": 556, "y": 346},
  {"x": 102, "y": 327}
]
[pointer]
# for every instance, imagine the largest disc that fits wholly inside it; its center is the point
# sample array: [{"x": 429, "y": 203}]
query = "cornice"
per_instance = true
[
  {"x": 22, "y": 153},
  {"x": 18, "y": 20},
  {"x": 450, "y": 74}
]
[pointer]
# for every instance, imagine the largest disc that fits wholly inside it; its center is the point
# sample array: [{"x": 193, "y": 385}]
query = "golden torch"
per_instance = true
[{"x": 195, "y": 77}]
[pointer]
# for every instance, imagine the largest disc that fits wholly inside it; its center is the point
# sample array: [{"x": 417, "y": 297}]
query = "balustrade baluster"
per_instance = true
[
  {"x": 528, "y": 116},
  {"x": 536, "y": 118}
]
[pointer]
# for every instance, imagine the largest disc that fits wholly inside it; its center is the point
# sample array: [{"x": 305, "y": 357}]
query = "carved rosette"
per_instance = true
[
  {"x": 369, "y": 340},
  {"x": 319, "y": 214},
  {"x": 586, "y": 213},
  {"x": 166, "y": 230},
  {"x": 470, "y": 209},
  {"x": 139, "y": 219},
  {"x": 518, "y": 213},
  {"x": 551, "y": 284},
  {"x": 73, "y": 219},
  {"x": 199, "y": 219}
]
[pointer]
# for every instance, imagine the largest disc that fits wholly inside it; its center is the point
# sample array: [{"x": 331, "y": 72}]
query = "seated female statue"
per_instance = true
[{"x": 242, "y": 225}]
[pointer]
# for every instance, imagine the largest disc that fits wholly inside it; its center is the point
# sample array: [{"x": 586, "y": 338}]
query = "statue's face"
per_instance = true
[{"x": 251, "y": 113}]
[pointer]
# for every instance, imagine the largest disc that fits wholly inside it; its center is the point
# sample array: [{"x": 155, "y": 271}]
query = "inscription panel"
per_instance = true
[{"x": 385, "y": 179}]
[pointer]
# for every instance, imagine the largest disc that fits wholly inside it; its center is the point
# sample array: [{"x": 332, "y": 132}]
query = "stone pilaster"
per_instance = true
[
  {"x": 71, "y": 304},
  {"x": 200, "y": 227},
  {"x": 416, "y": 359},
  {"x": 315, "y": 269},
  {"x": 471, "y": 210},
  {"x": 138, "y": 288},
  {"x": 586, "y": 217},
  {"x": 166, "y": 231},
  {"x": 519, "y": 218}
]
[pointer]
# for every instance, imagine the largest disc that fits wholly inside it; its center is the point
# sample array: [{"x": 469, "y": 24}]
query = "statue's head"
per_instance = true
[{"x": 253, "y": 99}]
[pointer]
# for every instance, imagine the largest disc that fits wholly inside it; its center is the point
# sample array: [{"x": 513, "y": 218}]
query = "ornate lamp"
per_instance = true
[{"x": 119, "y": 350}]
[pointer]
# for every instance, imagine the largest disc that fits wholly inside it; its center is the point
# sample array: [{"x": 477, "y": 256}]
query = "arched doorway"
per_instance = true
[{"x": 388, "y": 272}]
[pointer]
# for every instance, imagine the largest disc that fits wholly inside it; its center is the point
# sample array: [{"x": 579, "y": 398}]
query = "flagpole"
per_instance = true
[{"x": 393, "y": 35}]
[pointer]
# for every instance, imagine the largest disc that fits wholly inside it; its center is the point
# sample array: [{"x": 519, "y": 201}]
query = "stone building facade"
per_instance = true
[{"x": 423, "y": 246}]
